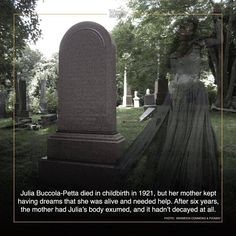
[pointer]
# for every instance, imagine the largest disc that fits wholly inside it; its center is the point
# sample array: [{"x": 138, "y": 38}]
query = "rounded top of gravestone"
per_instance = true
[
  {"x": 86, "y": 85},
  {"x": 147, "y": 91},
  {"x": 88, "y": 25}
]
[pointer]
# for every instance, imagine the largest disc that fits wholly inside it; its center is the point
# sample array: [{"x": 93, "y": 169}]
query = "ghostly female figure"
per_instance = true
[
  {"x": 179, "y": 141},
  {"x": 189, "y": 158}
]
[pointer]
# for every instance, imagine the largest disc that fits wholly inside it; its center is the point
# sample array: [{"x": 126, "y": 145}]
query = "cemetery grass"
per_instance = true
[{"x": 31, "y": 145}]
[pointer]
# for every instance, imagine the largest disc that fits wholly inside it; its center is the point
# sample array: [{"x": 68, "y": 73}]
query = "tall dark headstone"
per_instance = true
[
  {"x": 21, "y": 99},
  {"x": 162, "y": 91},
  {"x": 86, "y": 148}
]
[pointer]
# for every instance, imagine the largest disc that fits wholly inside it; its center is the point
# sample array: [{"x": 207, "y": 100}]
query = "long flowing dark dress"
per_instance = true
[
  {"x": 180, "y": 139},
  {"x": 189, "y": 158}
]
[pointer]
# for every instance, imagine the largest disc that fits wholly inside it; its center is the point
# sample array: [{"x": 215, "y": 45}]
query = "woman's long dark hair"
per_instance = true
[
  {"x": 184, "y": 22},
  {"x": 176, "y": 42}
]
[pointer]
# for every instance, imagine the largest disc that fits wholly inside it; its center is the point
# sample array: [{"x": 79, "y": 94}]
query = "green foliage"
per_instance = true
[
  {"x": 147, "y": 36},
  {"x": 17, "y": 18},
  {"x": 9, "y": 102},
  {"x": 135, "y": 52},
  {"x": 169, "y": 6},
  {"x": 123, "y": 37},
  {"x": 44, "y": 70},
  {"x": 210, "y": 86},
  {"x": 128, "y": 123},
  {"x": 212, "y": 92},
  {"x": 52, "y": 101},
  {"x": 25, "y": 63},
  {"x": 153, "y": 25},
  {"x": 34, "y": 104}
]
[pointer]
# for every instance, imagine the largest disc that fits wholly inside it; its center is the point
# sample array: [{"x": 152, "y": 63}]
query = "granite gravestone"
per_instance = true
[
  {"x": 21, "y": 99},
  {"x": 129, "y": 99},
  {"x": 149, "y": 100},
  {"x": 161, "y": 91},
  {"x": 86, "y": 148}
]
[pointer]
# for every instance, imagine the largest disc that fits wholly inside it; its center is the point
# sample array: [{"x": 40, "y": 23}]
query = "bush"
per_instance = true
[
  {"x": 52, "y": 102},
  {"x": 208, "y": 80},
  {"x": 212, "y": 93},
  {"x": 34, "y": 105}
]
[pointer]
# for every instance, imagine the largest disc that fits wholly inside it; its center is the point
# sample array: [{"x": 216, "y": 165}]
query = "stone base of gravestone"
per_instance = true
[
  {"x": 22, "y": 115},
  {"x": 79, "y": 174},
  {"x": 47, "y": 119},
  {"x": 89, "y": 148},
  {"x": 22, "y": 122},
  {"x": 82, "y": 160}
]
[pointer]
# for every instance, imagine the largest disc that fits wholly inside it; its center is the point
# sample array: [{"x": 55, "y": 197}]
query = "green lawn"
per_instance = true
[
  {"x": 128, "y": 123},
  {"x": 31, "y": 145}
]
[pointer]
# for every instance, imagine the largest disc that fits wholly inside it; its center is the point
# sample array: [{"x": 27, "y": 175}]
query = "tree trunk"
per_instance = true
[{"x": 231, "y": 86}]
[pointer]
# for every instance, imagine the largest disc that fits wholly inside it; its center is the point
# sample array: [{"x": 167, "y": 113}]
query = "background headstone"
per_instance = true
[
  {"x": 136, "y": 99},
  {"x": 124, "y": 102},
  {"x": 127, "y": 97},
  {"x": 86, "y": 148},
  {"x": 149, "y": 100},
  {"x": 47, "y": 119},
  {"x": 21, "y": 99},
  {"x": 155, "y": 89}
]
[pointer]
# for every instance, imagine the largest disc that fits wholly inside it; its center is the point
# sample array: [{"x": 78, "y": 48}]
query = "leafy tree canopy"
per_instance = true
[
  {"x": 19, "y": 24},
  {"x": 148, "y": 35}
]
